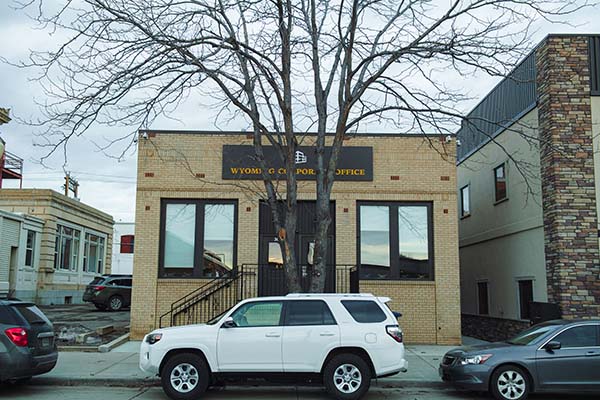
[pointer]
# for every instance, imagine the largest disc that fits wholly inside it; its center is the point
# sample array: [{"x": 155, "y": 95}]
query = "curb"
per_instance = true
[
  {"x": 105, "y": 348},
  {"x": 104, "y": 382},
  {"x": 155, "y": 382}
]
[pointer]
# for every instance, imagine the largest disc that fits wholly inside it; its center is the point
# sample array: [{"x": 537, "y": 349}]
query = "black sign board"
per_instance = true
[{"x": 239, "y": 162}]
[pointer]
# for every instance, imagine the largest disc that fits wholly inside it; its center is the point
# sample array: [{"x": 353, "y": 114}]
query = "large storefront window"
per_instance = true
[
  {"x": 93, "y": 253},
  {"x": 395, "y": 241},
  {"x": 66, "y": 248},
  {"x": 197, "y": 238}
]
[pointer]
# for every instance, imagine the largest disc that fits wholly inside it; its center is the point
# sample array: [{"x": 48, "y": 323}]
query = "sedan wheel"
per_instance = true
[{"x": 510, "y": 383}]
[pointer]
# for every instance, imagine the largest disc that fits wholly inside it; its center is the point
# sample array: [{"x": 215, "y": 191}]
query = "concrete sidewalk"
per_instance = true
[{"x": 119, "y": 368}]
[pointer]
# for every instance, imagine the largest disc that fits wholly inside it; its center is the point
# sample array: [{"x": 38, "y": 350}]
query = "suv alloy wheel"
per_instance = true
[
  {"x": 185, "y": 377},
  {"x": 115, "y": 303},
  {"x": 347, "y": 377}
]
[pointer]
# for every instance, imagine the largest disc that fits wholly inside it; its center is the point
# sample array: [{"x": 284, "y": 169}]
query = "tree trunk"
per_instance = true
[{"x": 319, "y": 273}]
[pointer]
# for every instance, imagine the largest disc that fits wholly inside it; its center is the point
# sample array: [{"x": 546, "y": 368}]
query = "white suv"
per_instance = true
[{"x": 340, "y": 340}]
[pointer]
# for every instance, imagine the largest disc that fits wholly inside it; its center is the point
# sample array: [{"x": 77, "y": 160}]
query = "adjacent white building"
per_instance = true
[
  {"x": 123, "y": 245},
  {"x": 20, "y": 241}
]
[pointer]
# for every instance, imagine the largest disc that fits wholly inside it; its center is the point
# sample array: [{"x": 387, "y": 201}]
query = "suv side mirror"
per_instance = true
[
  {"x": 229, "y": 323},
  {"x": 553, "y": 345}
]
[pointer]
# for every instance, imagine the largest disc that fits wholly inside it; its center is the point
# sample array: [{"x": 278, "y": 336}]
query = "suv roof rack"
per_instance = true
[{"x": 329, "y": 295}]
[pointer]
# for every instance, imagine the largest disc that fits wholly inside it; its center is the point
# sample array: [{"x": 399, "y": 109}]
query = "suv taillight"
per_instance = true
[
  {"x": 18, "y": 336},
  {"x": 395, "y": 332},
  {"x": 99, "y": 288}
]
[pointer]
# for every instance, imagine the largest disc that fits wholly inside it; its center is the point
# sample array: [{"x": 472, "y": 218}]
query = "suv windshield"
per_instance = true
[
  {"x": 531, "y": 335},
  {"x": 217, "y": 318}
]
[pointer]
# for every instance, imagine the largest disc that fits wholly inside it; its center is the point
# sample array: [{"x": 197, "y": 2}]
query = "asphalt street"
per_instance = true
[{"x": 99, "y": 393}]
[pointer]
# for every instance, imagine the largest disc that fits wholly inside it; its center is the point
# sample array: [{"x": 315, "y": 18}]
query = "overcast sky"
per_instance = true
[{"x": 109, "y": 184}]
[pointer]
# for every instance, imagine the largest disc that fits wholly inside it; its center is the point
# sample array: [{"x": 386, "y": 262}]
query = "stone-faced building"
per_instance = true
[
  {"x": 204, "y": 237},
  {"x": 528, "y": 185},
  {"x": 51, "y": 246}
]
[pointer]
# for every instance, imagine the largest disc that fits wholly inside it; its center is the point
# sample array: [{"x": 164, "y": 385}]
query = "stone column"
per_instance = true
[{"x": 567, "y": 170}]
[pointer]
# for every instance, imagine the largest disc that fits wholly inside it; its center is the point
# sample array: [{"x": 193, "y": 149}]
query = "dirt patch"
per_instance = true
[{"x": 75, "y": 325}]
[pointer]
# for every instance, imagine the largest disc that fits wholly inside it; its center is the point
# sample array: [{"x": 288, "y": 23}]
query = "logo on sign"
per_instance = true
[{"x": 300, "y": 157}]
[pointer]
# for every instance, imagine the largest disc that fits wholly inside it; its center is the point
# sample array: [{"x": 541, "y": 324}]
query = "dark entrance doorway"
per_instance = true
[{"x": 271, "y": 278}]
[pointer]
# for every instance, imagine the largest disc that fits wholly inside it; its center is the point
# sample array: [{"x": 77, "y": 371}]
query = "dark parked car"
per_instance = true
[
  {"x": 111, "y": 292},
  {"x": 27, "y": 345},
  {"x": 555, "y": 356}
]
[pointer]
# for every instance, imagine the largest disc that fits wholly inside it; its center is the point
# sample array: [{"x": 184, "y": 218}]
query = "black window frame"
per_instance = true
[
  {"x": 394, "y": 238},
  {"x": 288, "y": 303},
  {"x": 486, "y": 305},
  {"x": 524, "y": 309},
  {"x": 196, "y": 271},
  {"x": 344, "y": 302},
  {"x": 505, "y": 175},
  {"x": 281, "y": 315},
  {"x": 465, "y": 213}
]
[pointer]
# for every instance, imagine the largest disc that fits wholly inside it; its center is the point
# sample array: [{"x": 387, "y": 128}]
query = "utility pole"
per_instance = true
[{"x": 72, "y": 185}]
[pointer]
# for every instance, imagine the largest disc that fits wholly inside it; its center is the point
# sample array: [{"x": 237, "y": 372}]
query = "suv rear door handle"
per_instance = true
[
  {"x": 272, "y": 334},
  {"x": 327, "y": 334},
  {"x": 592, "y": 354}
]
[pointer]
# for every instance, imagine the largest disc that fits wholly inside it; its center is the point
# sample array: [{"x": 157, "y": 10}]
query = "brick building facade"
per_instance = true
[
  {"x": 53, "y": 246},
  {"x": 539, "y": 131},
  {"x": 187, "y": 200}
]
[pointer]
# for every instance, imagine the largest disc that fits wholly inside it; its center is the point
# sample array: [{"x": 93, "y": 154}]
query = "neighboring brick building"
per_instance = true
[
  {"x": 528, "y": 181},
  {"x": 199, "y": 215},
  {"x": 53, "y": 245}
]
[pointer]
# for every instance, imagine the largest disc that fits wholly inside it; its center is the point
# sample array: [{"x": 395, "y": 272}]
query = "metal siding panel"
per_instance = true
[
  {"x": 594, "y": 50},
  {"x": 513, "y": 95}
]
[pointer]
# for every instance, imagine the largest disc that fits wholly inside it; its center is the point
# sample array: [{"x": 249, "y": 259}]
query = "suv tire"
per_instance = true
[
  {"x": 510, "y": 382},
  {"x": 347, "y": 377},
  {"x": 185, "y": 377},
  {"x": 115, "y": 303}
]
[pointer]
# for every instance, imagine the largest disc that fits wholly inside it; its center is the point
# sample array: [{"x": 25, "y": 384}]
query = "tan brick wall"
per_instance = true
[
  {"x": 52, "y": 207},
  {"x": 169, "y": 165}
]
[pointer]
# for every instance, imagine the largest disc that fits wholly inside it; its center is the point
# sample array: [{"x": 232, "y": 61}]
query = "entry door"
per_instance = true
[
  {"x": 576, "y": 364},
  {"x": 271, "y": 279}
]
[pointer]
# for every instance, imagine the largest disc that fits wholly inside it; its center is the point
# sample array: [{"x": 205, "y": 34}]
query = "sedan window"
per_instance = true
[
  {"x": 263, "y": 313},
  {"x": 579, "y": 336}
]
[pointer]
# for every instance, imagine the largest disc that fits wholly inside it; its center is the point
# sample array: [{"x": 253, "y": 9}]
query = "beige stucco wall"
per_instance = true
[
  {"x": 501, "y": 243},
  {"x": 54, "y": 208},
  {"x": 167, "y": 168}
]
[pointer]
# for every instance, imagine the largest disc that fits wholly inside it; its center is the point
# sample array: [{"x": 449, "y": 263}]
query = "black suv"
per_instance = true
[
  {"x": 27, "y": 345},
  {"x": 109, "y": 291}
]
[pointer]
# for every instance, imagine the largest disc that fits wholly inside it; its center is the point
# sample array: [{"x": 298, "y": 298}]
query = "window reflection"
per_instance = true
[
  {"x": 218, "y": 239},
  {"x": 275, "y": 256},
  {"x": 375, "y": 241},
  {"x": 413, "y": 242},
  {"x": 180, "y": 230}
]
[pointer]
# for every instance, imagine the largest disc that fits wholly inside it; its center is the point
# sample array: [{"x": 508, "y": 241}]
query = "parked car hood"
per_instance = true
[{"x": 476, "y": 349}]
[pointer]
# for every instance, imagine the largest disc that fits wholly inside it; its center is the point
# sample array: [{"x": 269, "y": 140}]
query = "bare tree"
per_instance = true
[{"x": 286, "y": 67}]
